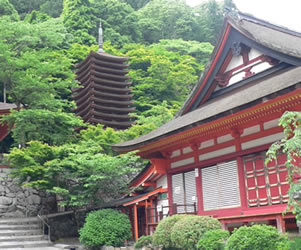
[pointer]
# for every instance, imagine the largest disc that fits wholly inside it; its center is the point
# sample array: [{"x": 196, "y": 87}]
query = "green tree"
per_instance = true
[
  {"x": 170, "y": 19},
  {"x": 200, "y": 51},
  {"x": 137, "y": 4},
  {"x": 24, "y": 7},
  {"x": 36, "y": 17},
  {"x": 38, "y": 79},
  {"x": 159, "y": 75},
  {"x": 86, "y": 171},
  {"x": 291, "y": 147},
  {"x": 79, "y": 19},
  {"x": 209, "y": 20},
  {"x": 52, "y": 8},
  {"x": 7, "y": 9},
  {"x": 119, "y": 21}
]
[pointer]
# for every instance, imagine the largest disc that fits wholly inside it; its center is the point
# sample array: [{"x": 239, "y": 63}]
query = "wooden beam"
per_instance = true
[
  {"x": 136, "y": 223},
  {"x": 149, "y": 184}
]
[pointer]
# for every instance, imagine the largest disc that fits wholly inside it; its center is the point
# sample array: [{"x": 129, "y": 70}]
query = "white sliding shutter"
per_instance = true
[
  {"x": 220, "y": 186},
  {"x": 178, "y": 191},
  {"x": 190, "y": 190},
  {"x": 210, "y": 188},
  {"x": 229, "y": 188}
]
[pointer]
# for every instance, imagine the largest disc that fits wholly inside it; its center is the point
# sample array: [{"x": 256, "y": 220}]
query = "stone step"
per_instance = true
[
  {"x": 19, "y": 221},
  {"x": 20, "y": 227},
  {"x": 22, "y": 244},
  {"x": 20, "y": 232},
  {"x": 23, "y": 238}
]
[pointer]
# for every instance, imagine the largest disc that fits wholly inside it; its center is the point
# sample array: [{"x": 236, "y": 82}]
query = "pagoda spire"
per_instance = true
[{"x": 100, "y": 38}]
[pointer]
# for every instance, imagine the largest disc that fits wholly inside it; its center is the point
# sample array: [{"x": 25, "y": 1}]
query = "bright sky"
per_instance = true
[{"x": 282, "y": 12}]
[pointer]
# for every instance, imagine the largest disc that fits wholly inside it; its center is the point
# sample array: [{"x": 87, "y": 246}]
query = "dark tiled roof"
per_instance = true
[
  {"x": 239, "y": 97},
  {"x": 269, "y": 35},
  {"x": 7, "y": 106},
  {"x": 274, "y": 37}
]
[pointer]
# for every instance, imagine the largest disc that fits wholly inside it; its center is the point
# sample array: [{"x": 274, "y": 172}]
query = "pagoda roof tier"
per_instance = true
[
  {"x": 81, "y": 98},
  {"x": 97, "y": 80},
  {"x": 112, "y": 109},
  {"x": 105, "y": 116},
  {"x": 110, "y": 76},
  {"x": 107, "y": 65},
  {"x": 94, "y": 66},
  {"x": 104, "y": 59},
  {"x": 113, "y": 116},
  {"x": 102, "y": 88},
  {"x": 113, "y": 102},
  {"x": 85, "y": 107},
  {"x": 116, "y": 124},
  {"x": 101, "y": 101}
]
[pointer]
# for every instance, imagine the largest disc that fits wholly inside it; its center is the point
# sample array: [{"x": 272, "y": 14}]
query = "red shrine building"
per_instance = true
[{"x": 210, "y": 159}]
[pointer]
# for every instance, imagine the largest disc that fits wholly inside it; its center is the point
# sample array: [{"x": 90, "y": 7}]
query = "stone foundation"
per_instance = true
[{"x": 16, "y": 201}]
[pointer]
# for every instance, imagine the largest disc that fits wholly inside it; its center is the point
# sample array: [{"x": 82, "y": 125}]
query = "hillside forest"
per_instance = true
[{"x": 168, "y": 44}]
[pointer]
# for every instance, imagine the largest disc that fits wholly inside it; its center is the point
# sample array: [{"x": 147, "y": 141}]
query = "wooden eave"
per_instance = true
[
  {"x": 101, "y": 62},
  {"x": 146, "y": 196},
  {"x": 116, "y": 124},
  {"x": 226, "y": 112},
  {"x": 91, "y": 78},
  {"x": 101, "y": 75},
  {"x": 113, "y": 109},
  {"x": 79, "y": 99},
  {"x": 110, "y": 115},
  {"x": 123, "y": 103},
  {"x": 93, "y": 66},
  {"x": 89, "y": 85}
]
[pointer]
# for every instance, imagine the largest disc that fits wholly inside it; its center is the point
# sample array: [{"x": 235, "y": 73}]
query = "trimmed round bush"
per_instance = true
[
  {"x": 186, "y": 233},
  {"x": 161, "y": 236},
  {"x": 213, "y": 240},
  {"x": 257, "y": 237},
  {"x": 143, "y": 241},
  {"x": 105, "y": 227}
]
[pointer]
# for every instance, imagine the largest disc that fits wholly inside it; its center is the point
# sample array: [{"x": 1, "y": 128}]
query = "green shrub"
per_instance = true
[
  {"x": 143, "y": 241},
  {"x": 105, "y": 227},
  {"x": 257, "y": 237},
  {"x": 213, "y": 240},
  {"x": 161, "y": 236},
  {"x": 186, "y": 233},
  {"x": 295, "y": 243}
]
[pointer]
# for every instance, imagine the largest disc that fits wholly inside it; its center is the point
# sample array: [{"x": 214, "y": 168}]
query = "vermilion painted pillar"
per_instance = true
[
  {"x": 169, "y": 188},
  {"x": 146, "y": 217},
  {"x": 280, "y": 224},
  {"x": 136, "y": 222},
  {"x": 199, "y": 193},
  {"x": 242, "y": 184}
]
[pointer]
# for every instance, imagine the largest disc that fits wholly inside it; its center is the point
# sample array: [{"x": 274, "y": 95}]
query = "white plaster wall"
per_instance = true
[
  {"x": 271, "y": 124},
  {"x": 262, "y": 141},
  {"x": 162, "y": 182},
  {"x": 207, "y": 144},
  {"x": 187, "y": 150},
  {"x": 217, "y": 153},
  {"x": 175, "y": 153},
  {"x": 224, "y": 138},
  {"x": 181, "y": 163},
  {"x": 254, "y": 53},
  {"x": 235, "y": 61},
  {"x": 251, "y": 130}
]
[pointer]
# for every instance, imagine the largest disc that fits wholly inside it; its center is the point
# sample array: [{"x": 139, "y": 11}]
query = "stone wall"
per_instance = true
[{"x": 16, "y": 201}]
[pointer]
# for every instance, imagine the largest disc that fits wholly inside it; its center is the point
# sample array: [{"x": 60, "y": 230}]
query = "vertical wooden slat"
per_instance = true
[{"x": 136, "y": 222}]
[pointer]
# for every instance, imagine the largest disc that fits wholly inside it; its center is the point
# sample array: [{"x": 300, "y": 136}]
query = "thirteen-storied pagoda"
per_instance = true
[{"x": 104, "y": 96}]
